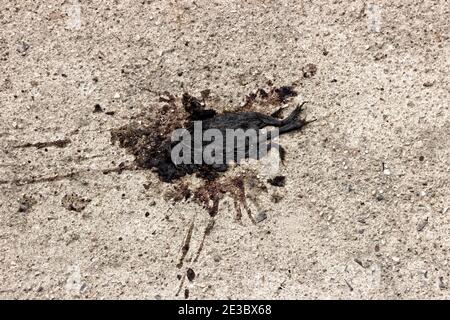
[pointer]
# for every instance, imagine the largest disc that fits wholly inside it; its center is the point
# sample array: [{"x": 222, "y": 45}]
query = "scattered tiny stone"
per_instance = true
[
  {"x": 261, "y": 216},
  {"x": 83, "y": 287},
  {"x": 22, "y": 48},
  {"x": 190, "y": 274},
  {"x": 380, "y": 55},
  {"x": 25, "y": 204},
  {"x": 22, "y": 208},
  {"x": 444, "y": 211},
  {"x": 97, "y": 108},
  {"x": 117, "y": 95},
  {"x": 422, "y": 224},
  {"x": 421, "y": 158},
  {"x": 110, "y": 113},
  {"x": 428, "y": 84},
  {"x": 74, "y": 202},
  {"x": 276, "y": 197},
  {"x": 442, "y": 285},
  {"x": 387, "y": 172},
  {"x": 205, "y": 93},
  {"x": 396, "y": 259},
  {"x": 359, "y": 262},
  {"x": 380, "y": 197},
  {"x": 152, "y": 203},
  {"x": 309, "y": 70}
]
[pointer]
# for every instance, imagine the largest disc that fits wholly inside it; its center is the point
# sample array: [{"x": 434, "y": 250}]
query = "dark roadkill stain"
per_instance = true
[{"x": 149, "y": 141}]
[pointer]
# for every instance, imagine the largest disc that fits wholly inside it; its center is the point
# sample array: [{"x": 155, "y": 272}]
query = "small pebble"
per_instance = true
[
  {"x": 97, "y": 108},
  {"x": 261, "y": 216},
  {"x": 422, "y": 224},
  {"x": 190, "y": 274},
  {"x": 442, "y": 285},
  {"x": 309, "y": 70}
]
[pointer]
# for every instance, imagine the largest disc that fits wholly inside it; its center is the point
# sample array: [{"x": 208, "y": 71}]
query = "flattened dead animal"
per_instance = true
[
  {"x": 157, "y": 155},
  {"x": 152, "y": 144}
]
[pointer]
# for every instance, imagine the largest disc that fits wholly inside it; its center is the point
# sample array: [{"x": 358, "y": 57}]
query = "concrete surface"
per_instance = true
[{"x": 364, "y": 213}]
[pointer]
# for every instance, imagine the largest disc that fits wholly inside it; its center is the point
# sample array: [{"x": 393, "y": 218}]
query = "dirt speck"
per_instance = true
[
  {"x": 309, "y": 70},
  {"x": 97, "y": 108},
  {"x": 74, "y": 202},
  {"x": 26, "y": 203},
  {"x": 278, "y": 181},
  {"x": 60, "y": 143}
]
